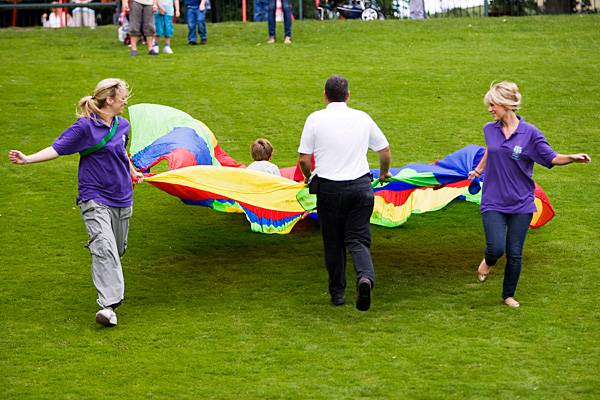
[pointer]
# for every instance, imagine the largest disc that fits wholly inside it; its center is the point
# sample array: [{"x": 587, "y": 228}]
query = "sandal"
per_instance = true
[
  {"x": 482, "y": 276},
  {"x": 511, "y": 302}
]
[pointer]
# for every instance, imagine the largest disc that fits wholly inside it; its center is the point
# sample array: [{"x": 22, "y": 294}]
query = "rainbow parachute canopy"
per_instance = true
[{"x": 201, "y": 173}]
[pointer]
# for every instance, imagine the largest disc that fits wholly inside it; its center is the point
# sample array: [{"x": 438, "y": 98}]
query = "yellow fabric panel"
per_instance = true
[
  {"x": 389, "y": 211},
  {"x": 538, "y": 206},
  {"x": 419, "y": 201},
  {"x": 242, "y": 185},
  {"x": 430, "y": 199}
]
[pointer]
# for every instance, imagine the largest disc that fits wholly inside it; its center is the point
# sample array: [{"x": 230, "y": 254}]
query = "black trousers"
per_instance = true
[{"x": 344, "y": 209}]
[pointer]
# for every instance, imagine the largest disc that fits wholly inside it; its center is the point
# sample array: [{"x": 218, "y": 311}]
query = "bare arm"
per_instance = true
[
  {"x": 565, "y": 159},
  {"x": 16, "y": 157},
  {"x": 177, "y": 14},
  {"x": 305, "y": 161},
  {"x": 202, "y": 5},
  {"x": 385, "y": 159},
  {"x": 125, "y": 5},
  {"x": 478, "y": 171}
]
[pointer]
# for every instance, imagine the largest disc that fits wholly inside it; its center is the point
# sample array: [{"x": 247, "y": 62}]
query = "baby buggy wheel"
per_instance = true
[{"x": 369, "y": 14}]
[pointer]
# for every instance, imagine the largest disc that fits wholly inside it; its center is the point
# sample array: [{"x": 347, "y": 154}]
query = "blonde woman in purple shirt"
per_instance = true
[
  {"x": 507, "y": 203},
  {"x": 105, "y": 193}
]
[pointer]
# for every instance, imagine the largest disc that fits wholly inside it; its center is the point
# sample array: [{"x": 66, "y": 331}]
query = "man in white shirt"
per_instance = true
[{"x": 339, "y": 137}]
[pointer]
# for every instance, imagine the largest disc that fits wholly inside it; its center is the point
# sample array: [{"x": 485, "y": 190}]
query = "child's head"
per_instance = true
[{"x": 261, "y": 150}]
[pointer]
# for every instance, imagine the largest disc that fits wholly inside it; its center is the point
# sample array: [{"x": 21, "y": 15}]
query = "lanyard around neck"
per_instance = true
[{"x": 103, "y": 141}]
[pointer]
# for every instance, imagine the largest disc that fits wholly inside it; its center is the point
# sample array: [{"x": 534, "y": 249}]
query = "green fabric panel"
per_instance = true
[
  {"x": 388, "y": 223},
  {"x": 222, "y": 207},
  {"x": 413, "y": 177},
  {"x": 307, "y": 201},
  {"x": 270, "y": 229},
  {"x": 474, "y": 198}
]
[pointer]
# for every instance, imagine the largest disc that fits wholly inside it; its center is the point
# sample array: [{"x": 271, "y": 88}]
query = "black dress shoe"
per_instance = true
[
  {"x": 338, "y": 300},
  {"x": 363, "y": 294}
]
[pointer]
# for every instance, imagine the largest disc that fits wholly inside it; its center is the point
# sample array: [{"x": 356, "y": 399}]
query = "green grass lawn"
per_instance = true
[{"x": 214, "y": 311}]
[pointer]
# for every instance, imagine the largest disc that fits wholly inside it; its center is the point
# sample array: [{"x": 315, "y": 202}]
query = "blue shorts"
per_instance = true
[{"x": 164, "y": 25}]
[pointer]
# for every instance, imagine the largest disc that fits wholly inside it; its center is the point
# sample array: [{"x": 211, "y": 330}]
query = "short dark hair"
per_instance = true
[
  {"x": 261, "y": 150},
  {"x": 336, "y": 88}
]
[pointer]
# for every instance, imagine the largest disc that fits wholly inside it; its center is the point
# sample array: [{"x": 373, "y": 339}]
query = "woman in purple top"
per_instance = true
[
  {"x": 105, "y": 191},
  {"x": 507, "y": 203}
]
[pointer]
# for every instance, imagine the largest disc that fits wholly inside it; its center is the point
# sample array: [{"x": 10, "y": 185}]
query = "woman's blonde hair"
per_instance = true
[
  {"x": 89, "y": 106},
  {"x": 261, "y": 150},
  {"x": 503, "y": 94}
]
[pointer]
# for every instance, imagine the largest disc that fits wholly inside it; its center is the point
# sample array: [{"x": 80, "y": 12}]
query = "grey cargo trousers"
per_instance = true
[{"x": 108, "y": 228}]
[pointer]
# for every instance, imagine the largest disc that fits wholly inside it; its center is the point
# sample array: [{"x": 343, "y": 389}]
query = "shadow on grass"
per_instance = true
[{"x": 203, "y": 253}]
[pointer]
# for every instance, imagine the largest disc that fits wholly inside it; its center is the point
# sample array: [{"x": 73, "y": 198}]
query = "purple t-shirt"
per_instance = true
[
  {"x": 103, "y": 175},
  {"x": 508, "y": 185}
]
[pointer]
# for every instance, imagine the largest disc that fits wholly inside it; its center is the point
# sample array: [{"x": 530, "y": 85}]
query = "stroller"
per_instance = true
[{"x": 367, "y": 10}]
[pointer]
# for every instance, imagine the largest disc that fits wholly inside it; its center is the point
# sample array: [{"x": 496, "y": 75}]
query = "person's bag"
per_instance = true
[{"x": 313, "y": 185}]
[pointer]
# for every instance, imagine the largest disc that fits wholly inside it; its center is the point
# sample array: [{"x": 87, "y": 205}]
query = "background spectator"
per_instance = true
[{"x": 84, "y": 16}]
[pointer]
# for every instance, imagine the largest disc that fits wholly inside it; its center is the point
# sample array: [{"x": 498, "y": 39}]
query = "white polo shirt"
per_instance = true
[
  {"x": 340, "y": 137},
  {"x": 264, "y": 166}
]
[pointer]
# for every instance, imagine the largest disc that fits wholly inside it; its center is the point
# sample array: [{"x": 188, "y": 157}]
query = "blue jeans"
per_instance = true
[
  {"x": 260, "y": 10},
  {"x": 195, "y": 19},
  {"x": 286, "y": 5},
  {"x": 506, "y": 232}
]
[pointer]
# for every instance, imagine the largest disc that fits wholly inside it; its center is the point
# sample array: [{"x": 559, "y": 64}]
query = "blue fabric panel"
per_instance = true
[{"x": 178, "y": 138}]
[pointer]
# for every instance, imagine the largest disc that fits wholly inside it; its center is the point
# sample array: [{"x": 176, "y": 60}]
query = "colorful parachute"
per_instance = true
[{"x": 201, "y": 173}]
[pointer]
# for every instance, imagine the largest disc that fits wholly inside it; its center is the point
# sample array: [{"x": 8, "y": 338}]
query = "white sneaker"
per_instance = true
[
  {"x": 106, "y": 317},
  {"x": 167, "y": 50},
  {"x": 156, "y": 49}
]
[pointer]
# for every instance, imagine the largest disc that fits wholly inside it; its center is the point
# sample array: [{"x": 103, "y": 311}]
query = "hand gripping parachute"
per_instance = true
[{"x": 201, "y": 173}]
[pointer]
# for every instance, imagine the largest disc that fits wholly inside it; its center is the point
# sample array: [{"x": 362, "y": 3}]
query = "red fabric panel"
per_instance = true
[
  {"x": 397, "y": 198},
  {"x": 547, "y": 210},
  {"x": 298, "y": 176},
  {"x": 178, "y": 158},
  {"x": 225, "y": 159},
  {"x": 288, "y": 172}
]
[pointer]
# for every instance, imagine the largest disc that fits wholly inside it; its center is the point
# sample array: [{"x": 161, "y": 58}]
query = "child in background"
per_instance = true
[
  {"x": 195, "y": 16},
  {"x": 163, "y": 19},
  {"x": 262, "y": 152},
  {"x": 58, "y": 18}
]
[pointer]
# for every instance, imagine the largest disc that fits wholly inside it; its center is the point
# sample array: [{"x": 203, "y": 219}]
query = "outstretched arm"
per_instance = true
[
  {"x": 385, "y": 159},
  {"x": 565, "y": 159},
  {"x": 478, "y": 171},
  {"x": 16, "y": 157}
]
